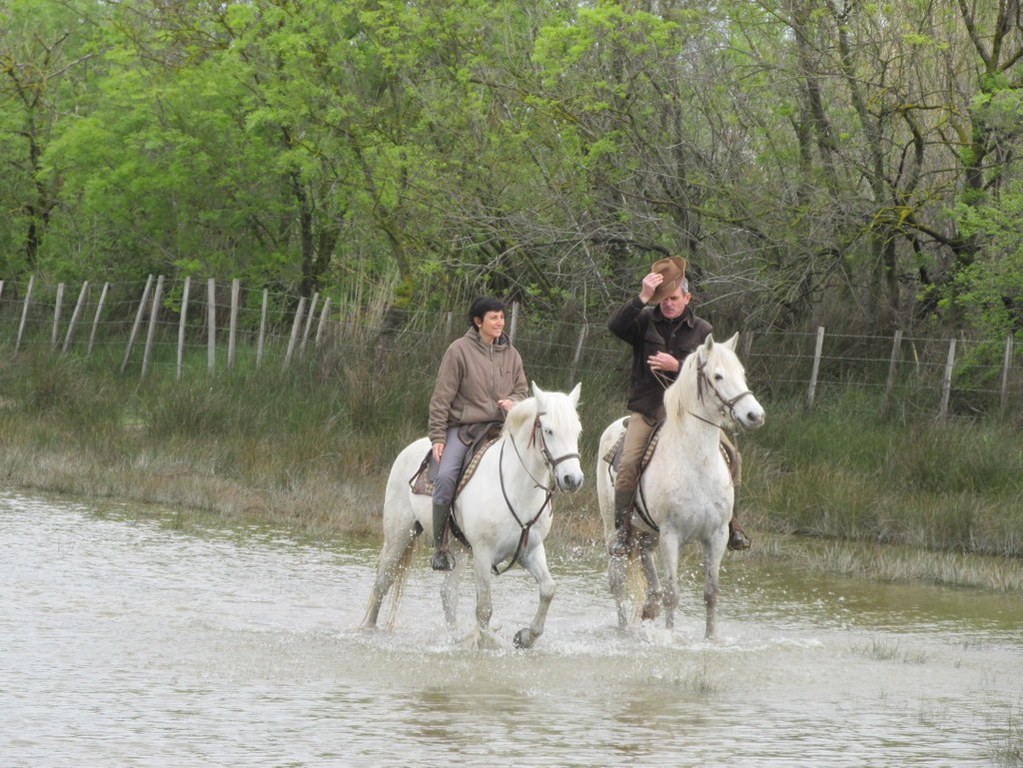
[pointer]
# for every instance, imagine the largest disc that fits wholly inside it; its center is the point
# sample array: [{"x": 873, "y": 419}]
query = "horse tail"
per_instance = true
[
  {"x": 635, "y": 584},
  {"x": 401, "y": 571}
]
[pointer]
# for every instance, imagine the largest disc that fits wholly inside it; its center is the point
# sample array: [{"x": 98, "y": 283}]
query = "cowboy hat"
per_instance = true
[{"x": 673, "y": 270}]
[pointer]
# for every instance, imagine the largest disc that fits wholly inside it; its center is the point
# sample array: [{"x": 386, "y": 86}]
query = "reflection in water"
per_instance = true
[{"x": 129, "y": 642}]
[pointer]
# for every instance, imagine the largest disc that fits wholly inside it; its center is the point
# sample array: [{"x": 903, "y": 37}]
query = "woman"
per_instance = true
[{"x": 480, "y": 378}]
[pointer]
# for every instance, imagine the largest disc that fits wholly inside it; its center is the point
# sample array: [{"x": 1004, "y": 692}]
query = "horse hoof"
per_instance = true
[{"x": 525, "y": 638}]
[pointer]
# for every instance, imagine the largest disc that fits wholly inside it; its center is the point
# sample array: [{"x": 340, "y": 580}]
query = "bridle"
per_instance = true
[
  {"x": 535, "y": 436},
  {"x": 726, "y": 406}
]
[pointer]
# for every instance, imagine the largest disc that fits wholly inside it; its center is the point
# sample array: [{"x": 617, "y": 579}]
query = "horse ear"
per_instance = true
[
  {"x": 709, "y": 342},
  {"x": 574, "y": 394},
  {"x": 539, "y": 394},
  {"x": 732, "y": 342}
]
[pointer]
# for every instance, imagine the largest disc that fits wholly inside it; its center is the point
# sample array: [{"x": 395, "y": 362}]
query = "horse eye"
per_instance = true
[{"x": 718, "y": 377}]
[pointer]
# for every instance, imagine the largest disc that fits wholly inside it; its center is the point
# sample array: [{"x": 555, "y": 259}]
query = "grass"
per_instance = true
[{"x": 840, "y": 488}]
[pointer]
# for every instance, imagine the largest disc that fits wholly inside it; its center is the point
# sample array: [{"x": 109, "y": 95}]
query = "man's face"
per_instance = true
[{"x": 675, "y": 303}]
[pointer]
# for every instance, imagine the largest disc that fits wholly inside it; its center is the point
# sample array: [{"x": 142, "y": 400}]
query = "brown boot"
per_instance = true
[{"x": 621, "y": 543}]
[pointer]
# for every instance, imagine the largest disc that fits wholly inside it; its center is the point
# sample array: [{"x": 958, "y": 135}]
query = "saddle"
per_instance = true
[{"x": 422, "y": 481}]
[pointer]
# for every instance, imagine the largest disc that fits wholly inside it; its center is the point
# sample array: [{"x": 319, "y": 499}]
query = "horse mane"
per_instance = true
[
  {"x": 523, "y": 412},
  {"x": 678, "y": 397},
  {"x": 560, "y": 416}
]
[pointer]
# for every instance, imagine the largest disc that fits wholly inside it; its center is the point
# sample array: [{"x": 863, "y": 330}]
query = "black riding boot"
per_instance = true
[
  {"x": 619, "y": 546},
  {"x": 737, "y": 538},
  {"x": 442, "y": 559}
]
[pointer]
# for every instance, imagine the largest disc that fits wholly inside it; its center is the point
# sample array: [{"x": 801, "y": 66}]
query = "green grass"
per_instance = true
[{"x": 311, "y": 447}]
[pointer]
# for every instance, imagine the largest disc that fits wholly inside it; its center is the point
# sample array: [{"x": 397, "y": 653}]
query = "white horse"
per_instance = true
[
  {"x": 685, "y": 493},
  {"x": 504, "y": 510}
]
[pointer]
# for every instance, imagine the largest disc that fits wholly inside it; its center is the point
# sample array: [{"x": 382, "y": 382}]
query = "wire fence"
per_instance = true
[{"x": 187, "y": 326}]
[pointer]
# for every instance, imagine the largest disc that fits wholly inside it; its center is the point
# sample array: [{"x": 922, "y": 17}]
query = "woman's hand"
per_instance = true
[{"x": 438, "y": 451}]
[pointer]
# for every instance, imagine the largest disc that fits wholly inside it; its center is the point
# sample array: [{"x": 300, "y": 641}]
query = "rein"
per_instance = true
[{"x": 550, "y": 463}]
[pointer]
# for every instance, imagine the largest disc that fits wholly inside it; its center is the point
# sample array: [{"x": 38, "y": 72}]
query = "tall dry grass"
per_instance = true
[{"x": 311, "y": 446}]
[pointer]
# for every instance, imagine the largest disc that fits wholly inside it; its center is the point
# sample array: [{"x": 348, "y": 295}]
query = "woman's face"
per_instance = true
[{"x": 490, "y": 326}]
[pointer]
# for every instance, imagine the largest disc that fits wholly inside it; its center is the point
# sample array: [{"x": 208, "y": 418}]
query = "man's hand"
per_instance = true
[
  {"x": 649, "y": 286},
  {"x": 662, "y": 362}
]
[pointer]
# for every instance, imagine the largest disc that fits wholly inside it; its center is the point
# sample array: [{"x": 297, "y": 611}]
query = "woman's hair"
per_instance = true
[{"x": 482, "y": 305}]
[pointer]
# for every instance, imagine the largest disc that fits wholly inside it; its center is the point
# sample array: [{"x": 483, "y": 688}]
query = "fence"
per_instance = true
[{"x": 163, "y": 322}]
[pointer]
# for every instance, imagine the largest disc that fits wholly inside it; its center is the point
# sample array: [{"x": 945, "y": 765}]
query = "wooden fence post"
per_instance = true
[
  {"x": 96, "y": 317},
  {"x": 138, "y": 322},
  {"x": 447, "y": 326},
  {"x": 295, "y": 325},
  {"x": 576, "y": 356},
  {"x": 1003, "y": 400},
  {"x": 154, "y": 313},
  {"x": 24, "y": 312},
  {"x": 514, "y": 322},
  {"x": 56, "y": 315},
  {"x": 182, "y": 323},
  {"x": 321, "y": 326},
  {"x": 74, "y": 317},
  {"x": 211, "y": 325},
  {"x": 747, "y": 345},
  {"x": 893, "y": 364},
  {"x": 812, "y": 391},
  {"x": 309, "y": 321},
  {"x": 236, "y": 292},
  {"x": 946, "y": 381},
  {"x": 262, "y": 328}
]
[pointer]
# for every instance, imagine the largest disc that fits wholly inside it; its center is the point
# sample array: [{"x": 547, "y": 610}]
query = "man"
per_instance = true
[{"x": 663, "y": 330}]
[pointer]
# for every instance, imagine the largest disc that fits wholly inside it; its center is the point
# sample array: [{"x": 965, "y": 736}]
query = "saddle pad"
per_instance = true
[
  {"x": 614, "y": 455},
  {"x": 422, "y": 481}
]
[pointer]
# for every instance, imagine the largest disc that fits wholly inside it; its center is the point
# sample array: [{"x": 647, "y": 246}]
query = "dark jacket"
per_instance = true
[{"x": 649, "y": 332}]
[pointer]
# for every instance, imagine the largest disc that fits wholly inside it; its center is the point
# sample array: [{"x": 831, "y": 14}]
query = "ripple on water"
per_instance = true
[{"x": 129, "y": 641}]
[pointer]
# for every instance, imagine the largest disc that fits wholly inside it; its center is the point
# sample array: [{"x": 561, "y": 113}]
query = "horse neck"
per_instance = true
[
  {"x": 690, "y": 421},
  {"x": 522, "y": 459}
]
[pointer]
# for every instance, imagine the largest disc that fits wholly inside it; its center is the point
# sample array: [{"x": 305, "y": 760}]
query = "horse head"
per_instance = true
[
  {"x": 552, "y": 423},
  {"x": 712, "y": 385}
]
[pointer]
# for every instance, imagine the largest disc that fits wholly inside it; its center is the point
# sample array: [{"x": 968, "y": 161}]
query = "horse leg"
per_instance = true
[
  {"x": 392, "y": 557},
  {"x": 449, "y": 592},
  {"x": 536, "y": 564},
  {"x": 653, "y": 586},
  {"x": 669, "y": 560},
  {"x": 484, "y": 602},
  {"x": 617, "y": 573},
  {"x": 713, "y": 551}
]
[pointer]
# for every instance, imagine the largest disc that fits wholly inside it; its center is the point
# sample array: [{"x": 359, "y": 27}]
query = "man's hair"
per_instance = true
[{"x": 482, "y": 305}]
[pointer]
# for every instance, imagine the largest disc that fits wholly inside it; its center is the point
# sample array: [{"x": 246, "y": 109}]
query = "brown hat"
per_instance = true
[{"x": 673, "y": 269}]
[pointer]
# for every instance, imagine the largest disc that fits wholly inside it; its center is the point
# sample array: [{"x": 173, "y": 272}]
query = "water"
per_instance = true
[{"x": 126, "y": 641}]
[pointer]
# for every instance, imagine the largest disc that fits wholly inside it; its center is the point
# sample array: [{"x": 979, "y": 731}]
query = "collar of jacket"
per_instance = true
[
  {"x": 688, "y": 316},
  {"x": 500, "y": 342}
]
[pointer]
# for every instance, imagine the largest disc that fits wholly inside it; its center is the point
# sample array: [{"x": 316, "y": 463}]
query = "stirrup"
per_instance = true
[{"x": 442, "y": 560}]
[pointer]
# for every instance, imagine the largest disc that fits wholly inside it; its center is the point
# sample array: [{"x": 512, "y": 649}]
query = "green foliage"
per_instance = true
[{"x": 541, "y": 150}]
